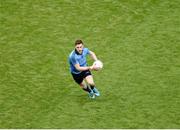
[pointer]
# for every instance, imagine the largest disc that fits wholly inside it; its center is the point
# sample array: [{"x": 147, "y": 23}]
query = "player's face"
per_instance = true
[{"x": 79, "y": 48}]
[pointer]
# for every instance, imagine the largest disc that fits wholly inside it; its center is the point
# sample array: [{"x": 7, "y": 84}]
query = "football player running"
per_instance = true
[{"x": 79, "y": 69}]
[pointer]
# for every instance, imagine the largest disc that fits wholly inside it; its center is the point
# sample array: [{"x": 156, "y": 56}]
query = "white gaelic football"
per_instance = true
[{"x": 98, "y": 64}]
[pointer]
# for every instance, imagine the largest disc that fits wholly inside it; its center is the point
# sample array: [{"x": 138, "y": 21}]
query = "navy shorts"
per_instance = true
[{"x": 80, "y": 77}]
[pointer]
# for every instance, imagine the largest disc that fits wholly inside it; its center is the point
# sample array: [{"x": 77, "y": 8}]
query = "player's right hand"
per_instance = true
[{"x": 93, "y": 67}]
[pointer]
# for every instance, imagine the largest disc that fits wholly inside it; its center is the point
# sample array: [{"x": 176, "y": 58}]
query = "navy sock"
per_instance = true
[
  {"x": 87, "y": 89},
  {"x": 92, "y": 87}
]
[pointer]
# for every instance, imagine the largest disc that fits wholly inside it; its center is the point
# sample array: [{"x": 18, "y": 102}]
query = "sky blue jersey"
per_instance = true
[{"x": 75, "y": 58}]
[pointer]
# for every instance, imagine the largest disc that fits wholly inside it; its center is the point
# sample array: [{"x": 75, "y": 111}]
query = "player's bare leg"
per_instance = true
[
  {"x": 85, "y": 87},
  {"x": 90, "y": 81}
]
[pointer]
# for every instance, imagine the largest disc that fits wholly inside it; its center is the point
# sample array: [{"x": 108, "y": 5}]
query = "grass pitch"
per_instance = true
[{"x": 137, "y": 40}]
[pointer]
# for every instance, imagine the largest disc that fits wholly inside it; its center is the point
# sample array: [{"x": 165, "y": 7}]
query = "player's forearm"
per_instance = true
[
  {"x": 83, "y": 68},
  {"x": 93, "y": 56}
]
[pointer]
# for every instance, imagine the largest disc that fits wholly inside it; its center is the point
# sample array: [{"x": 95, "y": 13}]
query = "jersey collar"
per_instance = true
[{"x": 77, "y": 52}]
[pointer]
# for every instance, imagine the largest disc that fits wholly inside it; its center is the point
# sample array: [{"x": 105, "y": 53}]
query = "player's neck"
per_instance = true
[{"x": 77, "y": 52}]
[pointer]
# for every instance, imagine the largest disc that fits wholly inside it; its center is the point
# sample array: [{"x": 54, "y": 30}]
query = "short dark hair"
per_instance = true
[{"x": 78, "y": 42}]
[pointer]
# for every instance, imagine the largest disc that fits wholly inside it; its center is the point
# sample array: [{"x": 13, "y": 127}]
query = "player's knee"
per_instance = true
[{"x": 81, "y": 85}]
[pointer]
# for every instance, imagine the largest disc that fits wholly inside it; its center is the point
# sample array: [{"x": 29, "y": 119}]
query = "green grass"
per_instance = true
[{"x": 137, "y": 40}]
